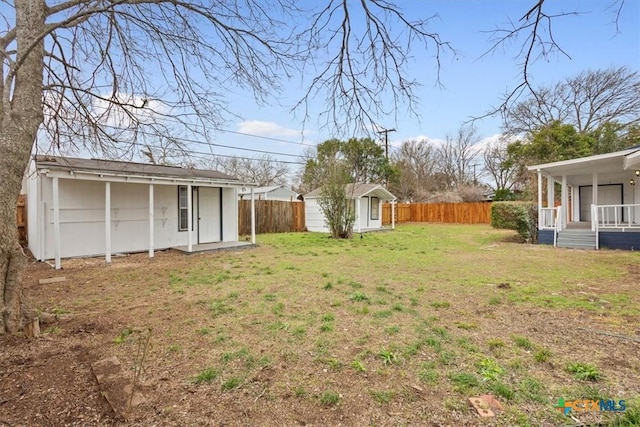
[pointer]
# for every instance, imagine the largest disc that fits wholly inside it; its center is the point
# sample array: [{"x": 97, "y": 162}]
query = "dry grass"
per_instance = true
[{"x": 394, "y": 328}]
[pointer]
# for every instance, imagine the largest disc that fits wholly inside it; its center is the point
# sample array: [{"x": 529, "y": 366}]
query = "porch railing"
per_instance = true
[
  {"x": 615, "y": 216},
  {"x": 548, "y": 218},
  {"x": 551, "y": 219}
]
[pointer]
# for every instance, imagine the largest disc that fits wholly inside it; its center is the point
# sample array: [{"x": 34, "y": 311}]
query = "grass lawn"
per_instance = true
[{"x": 395, "y": 328}]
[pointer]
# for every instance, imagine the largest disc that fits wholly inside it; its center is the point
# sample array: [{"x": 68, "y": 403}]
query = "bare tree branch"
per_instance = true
[
  {"x": 586, "y": 101},
  {"x": 365, "y": 79}
]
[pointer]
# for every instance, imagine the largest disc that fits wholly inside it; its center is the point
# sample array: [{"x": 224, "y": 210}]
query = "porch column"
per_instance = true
[
  {"x": 107, "y": 221},
  {"x": 358, "y": 214},
  {"x": 151, "y": 219},
  {"x": 540, "y": 219},
  {"x": 253, "y": 217},
  {"x": 189, "y": 219},
  {"x": 551, "y": 192},
  {"x": 56, "y": 221},
  {"x": 565, "y": 201},
  {"x": 594, "y": 198},
  {"x": 393, "y": 214}
]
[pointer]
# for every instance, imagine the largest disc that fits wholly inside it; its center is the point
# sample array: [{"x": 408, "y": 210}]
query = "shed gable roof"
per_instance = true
[
  {"x": 356, "y": 190},
  {"x": 119, "y": 167}
]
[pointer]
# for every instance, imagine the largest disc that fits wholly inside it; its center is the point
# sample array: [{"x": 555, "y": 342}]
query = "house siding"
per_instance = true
[
  {"x": 277, "y": 194},
  {"x": 82, "y": 227},
  {"x": 82, "y": 212},
  {"x": 229, "y": 214},
  {"x": 314, "y": 218},
  {"x": 545, "y": 237},
  {"x": 620, "y": 240}
]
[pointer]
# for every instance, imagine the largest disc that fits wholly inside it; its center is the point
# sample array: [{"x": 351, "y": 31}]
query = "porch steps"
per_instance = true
[{"x": 576, "y": 239}]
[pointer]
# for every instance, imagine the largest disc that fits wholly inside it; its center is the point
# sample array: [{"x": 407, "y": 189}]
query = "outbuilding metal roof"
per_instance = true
[{"x": 72, "y": 164}]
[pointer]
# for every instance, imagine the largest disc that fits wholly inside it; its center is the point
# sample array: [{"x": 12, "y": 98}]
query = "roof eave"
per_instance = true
[
  {"x": 139, "y": 178},
  {"x": 572, "y": 162}
]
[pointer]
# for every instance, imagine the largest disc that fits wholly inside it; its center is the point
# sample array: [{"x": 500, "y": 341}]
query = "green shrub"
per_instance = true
[
  {"x": 504, "y": 195},
  {"x": 519, "y": 216}
]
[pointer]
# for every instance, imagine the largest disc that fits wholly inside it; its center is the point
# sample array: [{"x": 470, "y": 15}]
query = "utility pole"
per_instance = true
[
  {"x": 475, "y": 180},
  {"x": 386, "y": 140},
  {"x": 386, "y": 149}
]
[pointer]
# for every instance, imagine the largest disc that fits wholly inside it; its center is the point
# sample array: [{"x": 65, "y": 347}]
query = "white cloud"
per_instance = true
[
  {"x": 434, "y": 141},
  {"x": 153, "y": 111},
  {"x": 271, "y": 129}
]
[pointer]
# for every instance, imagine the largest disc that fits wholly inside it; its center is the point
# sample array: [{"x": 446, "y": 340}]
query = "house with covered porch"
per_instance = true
[{"x": 599, "y": 201}]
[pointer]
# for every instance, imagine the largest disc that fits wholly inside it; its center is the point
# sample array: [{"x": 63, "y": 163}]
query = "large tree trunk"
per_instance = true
[{"x": 21, "y": 115}]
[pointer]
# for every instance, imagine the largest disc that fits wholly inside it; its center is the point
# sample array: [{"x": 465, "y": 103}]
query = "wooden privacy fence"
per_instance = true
[
  {"x": 21, "y": 219},
  {"x": 449, "y": 213},
  {"x": 272, "y": 216}
]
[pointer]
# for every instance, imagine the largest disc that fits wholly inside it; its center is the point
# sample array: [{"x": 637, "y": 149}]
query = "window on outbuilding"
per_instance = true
[
  {"x": 375, "y": 208},
  {"x": 183, "y": 208}
]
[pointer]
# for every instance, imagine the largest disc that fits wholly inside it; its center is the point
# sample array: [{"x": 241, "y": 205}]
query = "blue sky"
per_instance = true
[{"x": 472, "y": 83}]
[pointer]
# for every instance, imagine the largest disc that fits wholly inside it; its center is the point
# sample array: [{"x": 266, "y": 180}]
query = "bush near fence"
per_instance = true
[
  {"x": 272, "y": 216},
  {"x": 447, "y": 213}
]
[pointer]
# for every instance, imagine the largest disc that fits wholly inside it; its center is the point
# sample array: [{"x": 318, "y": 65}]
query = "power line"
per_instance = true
[
  {"x": 212, "y": 144},
  {"x": 306, "y": 144},
  {"x": 266, "y": 137},
  {"x": 200, "y": 154},
  {"x": 139, "y": 144}
]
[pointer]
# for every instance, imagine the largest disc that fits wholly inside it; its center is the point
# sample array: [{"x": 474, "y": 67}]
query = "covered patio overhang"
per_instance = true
[
  {"x": 381, "y": 193},
  {"x": 151, "y": 180}
]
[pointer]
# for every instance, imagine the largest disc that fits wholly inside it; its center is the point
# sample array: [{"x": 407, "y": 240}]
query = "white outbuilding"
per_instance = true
[
  {"x": 367, "y": 200},
  {"x": 88, "y": 207},
  {"x": 271, "y": 192}
]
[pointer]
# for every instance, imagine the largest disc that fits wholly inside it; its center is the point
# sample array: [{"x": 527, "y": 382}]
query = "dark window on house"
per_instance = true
[
  {"x": 375, "y": 208},
  {"x": 183, "y": 208}
]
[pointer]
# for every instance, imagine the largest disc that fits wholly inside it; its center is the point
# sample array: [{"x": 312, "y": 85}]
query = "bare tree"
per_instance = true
[
  {"x": 363, "y": 78},
  {"x": 499, "y": 165},
  {"x": 263, "y": 171},
  {"x": 457, "y": 157},
  {"x": 416, "y": 164},
  {"x": 165, "y": 150},
  {"x": 335, "y": 203},
  {"x": 96, "y": 72},
  {"x": 533, "y": 35},
  {"x": 587, "y": 101}
]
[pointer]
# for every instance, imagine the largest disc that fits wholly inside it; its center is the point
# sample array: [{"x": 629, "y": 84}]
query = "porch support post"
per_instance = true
[
  {"x": 594, "y": 199},
  {"x": 540, "y": 219},
  {"x": 253, "y": 217},
  {"x": 594, "y": 188},
  {"x": 358, "y": 214},
  {"x": 107, "y": 221},
  {"x": 551, "y": 192},
  {"x": 565, "y": 201},
  {"x": 56, "y": 221},
  {"x": 151, "y": 219},
  {"x": 393, "y": 214},
  {"x": 189, "y": 219}
]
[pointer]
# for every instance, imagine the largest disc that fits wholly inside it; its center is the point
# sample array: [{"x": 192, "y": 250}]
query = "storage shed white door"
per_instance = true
[{"x": 209, "y": 221}]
